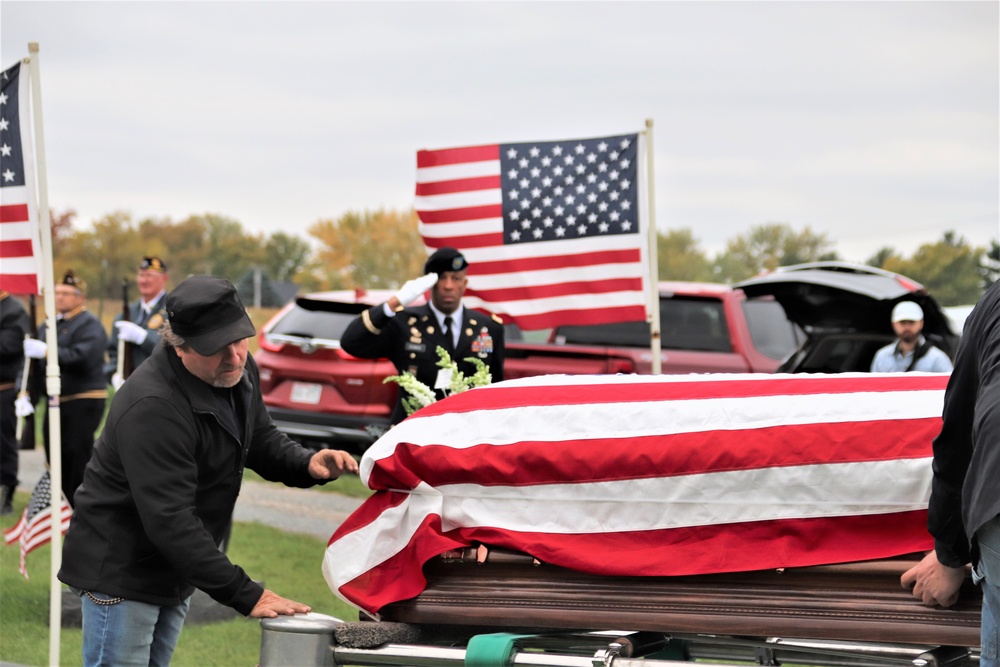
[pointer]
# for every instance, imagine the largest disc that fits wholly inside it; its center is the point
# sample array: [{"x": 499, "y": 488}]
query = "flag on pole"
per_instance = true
[
  {"x": 35, "y": 526},
  {"x": 555, "y": 231},
  {"x": 647, "y": 476},
  {"x": 20, "y": 254}
]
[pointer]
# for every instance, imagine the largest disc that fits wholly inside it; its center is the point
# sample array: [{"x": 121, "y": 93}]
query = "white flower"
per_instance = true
[{"x": 420, "y": 395}]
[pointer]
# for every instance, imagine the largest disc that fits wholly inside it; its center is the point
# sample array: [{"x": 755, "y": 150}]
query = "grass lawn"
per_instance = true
[{"x": 287, "y": 563}]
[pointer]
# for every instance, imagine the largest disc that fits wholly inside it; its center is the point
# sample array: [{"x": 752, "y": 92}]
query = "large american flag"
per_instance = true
[
  {"x": 20, "y": 258},
  {"x": 34, "y": 529},
  {"x": 555, "y": 231},
  {"x": 647, "y": 475}
]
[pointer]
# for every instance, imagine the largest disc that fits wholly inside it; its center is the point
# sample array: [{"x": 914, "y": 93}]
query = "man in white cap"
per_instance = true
[{"x": 911, "y": 351}]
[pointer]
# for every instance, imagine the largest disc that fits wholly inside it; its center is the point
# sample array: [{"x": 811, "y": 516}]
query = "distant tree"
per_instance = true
[
  {"x": 285, "y": 256},
  {"x": 371, "y": 249},
  {"x": 881, "y": 256},
  {"x": 989, "y": 265},
  {"x": 949, "y": 269},
  {"x": 679, "y": 257},
  {"x": 768, "y": 246}
]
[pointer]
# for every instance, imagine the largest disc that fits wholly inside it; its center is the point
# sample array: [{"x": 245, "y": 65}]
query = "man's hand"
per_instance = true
[
  {"x": 331, "y": 463},
  {"x": 271, "y": 605},
  {"x": 934, "y": 583},
  {"x": 411, "y": 289},
  {"x": 35, "y": 349},
  {"x": 130, "y": 332}
]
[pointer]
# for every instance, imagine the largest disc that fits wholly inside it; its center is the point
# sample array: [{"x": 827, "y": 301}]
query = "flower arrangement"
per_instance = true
[{"x": 420, "y": 395}]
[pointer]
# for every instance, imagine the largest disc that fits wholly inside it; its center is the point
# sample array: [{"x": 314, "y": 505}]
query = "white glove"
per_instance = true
[
  {"x": 35, "y": 349},
  {"x": 131, "y": 333},
  {"x": 117, "y": 381},
  {"x": 411, "y": 289},
  {"x": 23, "y": 406}
]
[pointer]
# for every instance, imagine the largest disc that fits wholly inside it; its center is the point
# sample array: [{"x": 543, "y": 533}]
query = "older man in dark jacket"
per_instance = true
[{"x": 159, "y": 492}]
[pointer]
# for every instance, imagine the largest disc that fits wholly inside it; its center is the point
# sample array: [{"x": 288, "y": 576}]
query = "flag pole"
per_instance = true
[
  {"x": 53, "y": 383},
  {"x": 654, "y": 271}
]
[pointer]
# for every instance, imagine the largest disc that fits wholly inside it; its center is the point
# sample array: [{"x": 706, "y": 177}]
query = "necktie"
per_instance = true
[{"x": 449, "y": 339}]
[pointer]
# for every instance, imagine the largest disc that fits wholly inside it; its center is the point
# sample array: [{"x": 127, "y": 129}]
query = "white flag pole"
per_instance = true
[
  {"x": 53, "y": 382},
  {"x": 654, "y": 271}
]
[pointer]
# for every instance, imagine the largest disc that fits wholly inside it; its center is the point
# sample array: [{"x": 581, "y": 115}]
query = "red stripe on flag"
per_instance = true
[
  {"x": 555, "y": 318},
  {"x": 448, "y": 156},
  {"x": 661, "y": 456},
  {"x": 19, "y": 283},
  {"x": 465, "y": 242},
  {"x": 563, "y": 261},
  {"x": 18, "y": 248},
  {"x": 14, "y": 213},
  {"x": 458, "y": 185},
  {"x": 558, "y": 289},
  {"x": 462, "y": 214}
]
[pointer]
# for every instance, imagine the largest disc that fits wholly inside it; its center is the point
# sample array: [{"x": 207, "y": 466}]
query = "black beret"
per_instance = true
[{"x": 445, "y": 259}]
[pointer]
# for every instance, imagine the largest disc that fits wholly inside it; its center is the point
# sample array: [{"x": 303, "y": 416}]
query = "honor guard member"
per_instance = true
[
  {"x": 14, "y": 325},
  {"x": 409, "y": 337},
  {"x": 146, "y": 315},
  {"x": 81, "y": 341}
]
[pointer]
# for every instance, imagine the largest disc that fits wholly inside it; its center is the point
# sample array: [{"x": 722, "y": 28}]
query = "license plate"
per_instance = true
[{"x": 306, "y": 392}]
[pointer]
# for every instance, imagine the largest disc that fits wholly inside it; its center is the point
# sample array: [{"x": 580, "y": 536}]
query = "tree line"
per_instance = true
[{"x": 382, "y": 249}]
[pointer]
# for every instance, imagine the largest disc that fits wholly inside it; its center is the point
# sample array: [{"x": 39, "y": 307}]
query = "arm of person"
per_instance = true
[{"x": 162, "y": 468}]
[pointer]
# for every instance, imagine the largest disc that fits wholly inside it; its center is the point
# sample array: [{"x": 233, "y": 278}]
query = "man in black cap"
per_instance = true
[
  {"x": 409, "y": 337},
  {"x": 146, "y": 315},
  {"x": 159, "y": 492},
  {"x": 80, "y": 340}
]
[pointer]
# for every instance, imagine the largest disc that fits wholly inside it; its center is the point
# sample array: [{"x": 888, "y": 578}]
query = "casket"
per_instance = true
[{"x": 741, "y": 508}]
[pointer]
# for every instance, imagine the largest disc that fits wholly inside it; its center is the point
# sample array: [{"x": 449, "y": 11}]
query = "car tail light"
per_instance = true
[
  {"x": 266, "y": 343},
  {"x": 909, "y": 285},
  {"x": 624, "y": 366}
]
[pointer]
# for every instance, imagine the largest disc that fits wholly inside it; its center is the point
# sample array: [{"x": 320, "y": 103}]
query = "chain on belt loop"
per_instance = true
[{"x": 103, "y": 603}]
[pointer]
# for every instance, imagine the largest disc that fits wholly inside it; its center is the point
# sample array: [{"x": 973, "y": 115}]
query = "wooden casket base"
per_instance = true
[{"x": 856, "y": 602}]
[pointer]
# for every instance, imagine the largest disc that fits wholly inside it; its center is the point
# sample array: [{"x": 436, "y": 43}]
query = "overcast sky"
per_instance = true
[{"x": 873, "y": 122}]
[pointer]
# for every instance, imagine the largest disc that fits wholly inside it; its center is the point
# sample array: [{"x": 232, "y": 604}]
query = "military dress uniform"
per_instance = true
[
  {"x": 14, "y": 324},
  {"x": 410, "y": 340},
  {"x": 151, "y": 320},
  {"x": 81, "y": 341}
]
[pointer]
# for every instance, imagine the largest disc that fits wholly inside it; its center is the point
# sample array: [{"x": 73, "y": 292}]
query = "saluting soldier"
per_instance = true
[
  {"x": 409, "y": 337},
  {"x": 146, "y": 316},
  {"x": 81, "y": 340}
]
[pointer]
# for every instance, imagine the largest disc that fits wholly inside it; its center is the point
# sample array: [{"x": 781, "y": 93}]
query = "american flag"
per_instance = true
[
  {"x": 35, "y": 526},
  {"x": 647, "y": 475},
  {"x": 19, "y": 241},
  {"x": 555, "y": 231}
]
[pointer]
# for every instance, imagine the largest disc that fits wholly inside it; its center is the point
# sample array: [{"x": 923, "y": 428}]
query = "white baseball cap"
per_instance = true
[{"x": 907, "y": 311}]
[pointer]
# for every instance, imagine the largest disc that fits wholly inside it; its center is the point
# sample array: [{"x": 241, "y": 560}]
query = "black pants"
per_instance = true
[
  {"x": 79, "y": 419},
  {"x": 8, "y": 443}
]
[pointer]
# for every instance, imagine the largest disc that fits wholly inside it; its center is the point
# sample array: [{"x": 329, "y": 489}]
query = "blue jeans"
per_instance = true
[
  {"x": 987, "y": 575},
  {"x": 126, "y": 632}
]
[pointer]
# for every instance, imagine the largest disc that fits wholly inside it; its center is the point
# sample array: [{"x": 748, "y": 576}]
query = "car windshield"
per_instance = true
[
  {"x": 303, "y": 323},
  {"x": 771, "y": 331},
  {"x": 686, "y": 324}
]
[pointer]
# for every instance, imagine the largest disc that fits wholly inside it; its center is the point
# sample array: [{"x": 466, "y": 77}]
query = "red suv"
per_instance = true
[{"x": 317, "y": 393}]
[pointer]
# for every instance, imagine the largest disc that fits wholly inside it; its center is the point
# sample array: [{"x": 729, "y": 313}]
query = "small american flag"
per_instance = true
[
  {"x": 35, "y": 526},
  {"x": 19, "y": 239},
  {"x": 635, "y": 475},
  {"x": 555, "y": 231}
]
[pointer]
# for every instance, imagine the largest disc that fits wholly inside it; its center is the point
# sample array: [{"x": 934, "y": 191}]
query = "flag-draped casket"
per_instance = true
[{"x": 647, "y": 476}]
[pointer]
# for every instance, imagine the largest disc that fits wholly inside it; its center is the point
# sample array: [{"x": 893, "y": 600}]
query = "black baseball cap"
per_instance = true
[
  {"x": 208, "y": 314},
  {"x": 445, "y": 259},
  {"x": 152, "y": 264}
]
